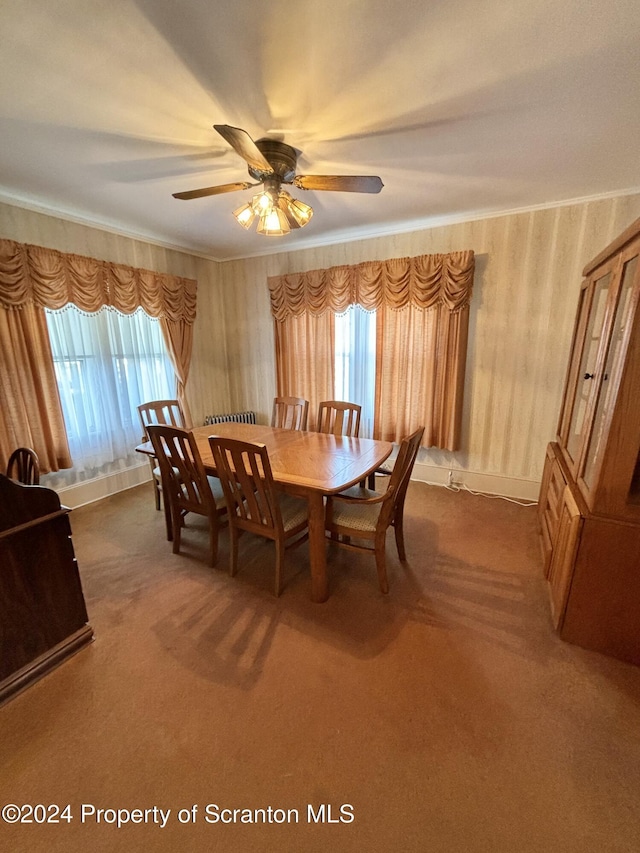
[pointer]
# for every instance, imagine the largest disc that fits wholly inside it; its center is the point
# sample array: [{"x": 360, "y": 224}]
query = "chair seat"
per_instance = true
[
  {"x": 158, "y": 474},
  {"x": 216, "y": 490},
  {"x": 384, "y": 469},
  {"x": 359, "y": 492},
  {"x": 356, "y": 516},
  {"x": 294, "y": 511}
]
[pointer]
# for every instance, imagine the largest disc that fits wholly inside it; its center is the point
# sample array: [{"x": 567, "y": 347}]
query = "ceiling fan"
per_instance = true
[{"x": 273, "y": 163}]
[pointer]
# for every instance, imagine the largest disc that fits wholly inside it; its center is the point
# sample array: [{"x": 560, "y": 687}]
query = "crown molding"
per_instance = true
[
  {"x": 101, "y": 225},
  {"x": 350, "y": 235}
]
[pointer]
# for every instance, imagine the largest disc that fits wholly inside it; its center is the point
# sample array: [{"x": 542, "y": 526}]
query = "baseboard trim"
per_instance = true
[
  {"x": 491, "y": 484},
  {"x": 102, "y": 487}
]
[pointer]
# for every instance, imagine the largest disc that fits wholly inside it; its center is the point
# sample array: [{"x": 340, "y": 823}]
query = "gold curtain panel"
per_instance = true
[
  {"x": 423, "y": 282},
  {"x": 33, "y": 278},
  {"x": 51, "y": 279}
]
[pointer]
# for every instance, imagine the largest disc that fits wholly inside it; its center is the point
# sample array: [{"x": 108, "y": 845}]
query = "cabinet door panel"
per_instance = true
[
  {"x": 565, "y": 548},
  {"x": 610, "y": 377},
  {"x": 584, "y": 388}
]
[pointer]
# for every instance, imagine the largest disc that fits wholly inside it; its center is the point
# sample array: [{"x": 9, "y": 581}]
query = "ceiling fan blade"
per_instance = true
[
  {"x": 244, "y": 145},
  {"x": 339, "y": 183},
  {"x": 222, "y": 188}
]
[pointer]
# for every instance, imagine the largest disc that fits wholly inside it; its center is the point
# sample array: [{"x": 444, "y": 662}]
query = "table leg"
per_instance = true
[{"x": 317, "y": 548}]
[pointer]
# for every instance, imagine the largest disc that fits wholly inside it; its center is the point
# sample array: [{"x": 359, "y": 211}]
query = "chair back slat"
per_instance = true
[
  {"x": 402, "y": 469},
  {"x": 290, "y": 413},
  {"x": 182, "y": 470},
  {"x": 160, "y": 412},
  {"x": 338, "y": 417},
  {"x": 245, "y": 472},
  {"x": 24, "y": 466},
  {"x": 253, "y": 502}
]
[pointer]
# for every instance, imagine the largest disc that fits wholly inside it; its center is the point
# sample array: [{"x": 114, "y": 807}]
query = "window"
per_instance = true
[
  {"x": 421, "y": 306},
  {"x": 106, "y": 364},
  {"x": 355, "y": 357}
]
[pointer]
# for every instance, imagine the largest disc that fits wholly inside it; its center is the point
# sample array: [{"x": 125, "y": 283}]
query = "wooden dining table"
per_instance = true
[{"x": 310, "y": 465}]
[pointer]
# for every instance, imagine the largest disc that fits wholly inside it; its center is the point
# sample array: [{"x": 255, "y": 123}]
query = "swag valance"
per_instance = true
[
  {"x": 51, "y": 279},
  {"x": 33, "y": 278},
  {"x": 423, "y": 282},
  {"x": 422, "y": 313}
]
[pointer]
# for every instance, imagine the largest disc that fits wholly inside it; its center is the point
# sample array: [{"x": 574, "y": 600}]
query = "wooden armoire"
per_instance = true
[{"x": 589, "y": 507}]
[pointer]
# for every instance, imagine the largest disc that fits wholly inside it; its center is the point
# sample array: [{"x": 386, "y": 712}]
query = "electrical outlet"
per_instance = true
[{"x": 455, "y": 484}]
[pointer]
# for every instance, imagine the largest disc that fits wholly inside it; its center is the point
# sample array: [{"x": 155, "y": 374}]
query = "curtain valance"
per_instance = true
[
  {"x": 51, "y": 279},
  {"x": 423, "y": 282}
]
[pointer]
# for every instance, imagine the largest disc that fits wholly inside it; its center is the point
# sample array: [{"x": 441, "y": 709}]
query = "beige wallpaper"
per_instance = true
[{"x": 526, "y": 287}]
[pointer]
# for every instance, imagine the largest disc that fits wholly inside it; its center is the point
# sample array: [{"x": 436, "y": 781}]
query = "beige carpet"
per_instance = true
[{"x": 447, "y": 715}]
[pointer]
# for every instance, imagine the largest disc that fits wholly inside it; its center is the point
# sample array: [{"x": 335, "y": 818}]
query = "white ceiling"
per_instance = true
[{"x": 462, "y": 108}]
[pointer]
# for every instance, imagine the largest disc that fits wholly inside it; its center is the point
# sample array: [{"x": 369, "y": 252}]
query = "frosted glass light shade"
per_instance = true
[
  {"x": 273, "y": 223},
  {"x": 245, "y": 215},
  {"x": 300, "y": 211}
]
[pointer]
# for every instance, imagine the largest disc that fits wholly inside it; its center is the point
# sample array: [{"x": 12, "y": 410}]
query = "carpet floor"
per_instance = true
[{"x": 210, "y": 715}]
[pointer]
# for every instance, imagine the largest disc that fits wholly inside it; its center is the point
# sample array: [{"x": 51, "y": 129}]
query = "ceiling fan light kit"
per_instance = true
[
  {"x": 273, "y": 163},
  {"x": 278, "y": 213}
]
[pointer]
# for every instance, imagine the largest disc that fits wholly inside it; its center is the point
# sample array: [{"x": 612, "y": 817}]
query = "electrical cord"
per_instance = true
[
  {"x": 459, "y": 487},
  {"x": 462, "y": 488}
]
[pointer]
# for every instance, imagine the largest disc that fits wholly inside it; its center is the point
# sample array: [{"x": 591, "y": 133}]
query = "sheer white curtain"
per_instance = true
[
  {"x": 106, "y": 364},
  {"x": 355, "y": 351}
]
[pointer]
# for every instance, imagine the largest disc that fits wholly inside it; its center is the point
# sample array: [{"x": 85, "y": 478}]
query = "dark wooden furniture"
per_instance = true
[
  {"x": 311, "y": 465},
  {"x": 363, "y": 514},
  {"x": 24, "y": 466},
  {"x": 589, "y": 507},
  {"x": 290, "y": 413},
  {"x": 43, "y": 618},
  {"x": 185, "y": 484},
  {"x": 254, "y": 504}
]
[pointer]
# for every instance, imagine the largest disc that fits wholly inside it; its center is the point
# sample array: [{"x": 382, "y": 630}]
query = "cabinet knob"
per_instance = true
[{"x": 588, "y": 376}]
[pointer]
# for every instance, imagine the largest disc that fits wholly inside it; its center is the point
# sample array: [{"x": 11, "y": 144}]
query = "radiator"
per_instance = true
[{"x": 237, "y": 417}]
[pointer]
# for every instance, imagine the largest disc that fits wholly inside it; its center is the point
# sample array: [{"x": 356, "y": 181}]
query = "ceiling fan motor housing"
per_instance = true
[
  {"x": 272, "y": 162},
  {"x": 282, "y": 157}
]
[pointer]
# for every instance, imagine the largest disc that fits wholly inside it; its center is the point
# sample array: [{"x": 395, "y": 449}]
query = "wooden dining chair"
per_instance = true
[
  {"x": 254, "y": 504},
  {"x": 385, "y": 470},
  {"x": 185, "y": 484},
  {"x": 24, "y": 466},
  {"x": 290, "y": 412},
  {"x": 339, "y": 418},
  {"x": 159, "y": 412},
  {"x": 364, "y": 514}
]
